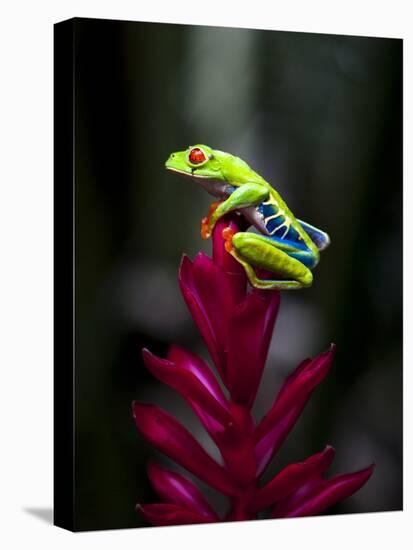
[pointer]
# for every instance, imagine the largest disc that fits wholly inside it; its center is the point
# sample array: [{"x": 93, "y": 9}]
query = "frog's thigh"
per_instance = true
[{"x": 251, "y": 249}]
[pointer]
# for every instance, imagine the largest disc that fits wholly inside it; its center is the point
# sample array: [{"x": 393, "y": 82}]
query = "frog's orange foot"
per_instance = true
[
  {"x": 213, "y": 207},
  {"x": 205, "y": 223},
  {"x": 227, "y": 235},
  {"x": 205, "y": 232}
]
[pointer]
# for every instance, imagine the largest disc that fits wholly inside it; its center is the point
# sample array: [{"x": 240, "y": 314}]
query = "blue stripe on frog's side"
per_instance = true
[
  {"x": 272, "y": 223},
  {"x": 292, "y": 235},
  {"x": 267, "y": 209},
  {"x": 276, "y": 225}
]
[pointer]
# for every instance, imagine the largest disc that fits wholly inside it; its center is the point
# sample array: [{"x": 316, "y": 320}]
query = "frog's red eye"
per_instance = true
[{"x": 196, "y": 156}]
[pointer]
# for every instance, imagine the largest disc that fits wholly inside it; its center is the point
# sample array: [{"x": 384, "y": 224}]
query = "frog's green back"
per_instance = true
[{"x": 237, "y": 171}]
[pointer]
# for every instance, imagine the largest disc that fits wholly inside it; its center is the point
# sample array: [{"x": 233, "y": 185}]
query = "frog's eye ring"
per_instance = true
[{"x": 196, "y": 156}]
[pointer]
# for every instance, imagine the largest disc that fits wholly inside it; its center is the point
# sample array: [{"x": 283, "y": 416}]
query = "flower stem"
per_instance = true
[{"x": 239, "y": 506}]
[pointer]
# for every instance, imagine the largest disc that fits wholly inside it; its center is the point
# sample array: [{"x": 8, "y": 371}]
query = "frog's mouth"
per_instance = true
[{"x": 190, "y": 174}]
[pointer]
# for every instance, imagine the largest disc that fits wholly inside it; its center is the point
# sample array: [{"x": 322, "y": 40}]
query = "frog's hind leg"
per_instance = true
[{"x": 255, "y": 250}]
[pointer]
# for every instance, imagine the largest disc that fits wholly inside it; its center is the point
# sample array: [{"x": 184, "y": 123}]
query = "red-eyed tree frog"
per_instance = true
[{"x": 284, "y": 246}]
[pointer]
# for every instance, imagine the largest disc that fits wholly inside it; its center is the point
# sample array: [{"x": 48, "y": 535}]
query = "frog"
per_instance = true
[{"x": 281, "y": 244}]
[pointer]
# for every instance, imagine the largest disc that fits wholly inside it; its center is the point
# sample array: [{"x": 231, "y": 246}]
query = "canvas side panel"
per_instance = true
[{"x": 63, "y": 275}]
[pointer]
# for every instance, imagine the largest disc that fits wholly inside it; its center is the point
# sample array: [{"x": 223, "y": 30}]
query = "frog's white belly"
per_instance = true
[{"x": 217, "y": 188}]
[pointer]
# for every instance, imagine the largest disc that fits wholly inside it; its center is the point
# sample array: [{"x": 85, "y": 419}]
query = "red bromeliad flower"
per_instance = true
[{"x": 236, "y": 325}]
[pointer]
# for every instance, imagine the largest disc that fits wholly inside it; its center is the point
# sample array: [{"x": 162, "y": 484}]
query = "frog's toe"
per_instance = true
[{"x": 227, "y": 235}]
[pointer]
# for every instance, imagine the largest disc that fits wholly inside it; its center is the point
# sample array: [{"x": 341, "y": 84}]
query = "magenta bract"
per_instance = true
[{"x": 236, "y": 324}]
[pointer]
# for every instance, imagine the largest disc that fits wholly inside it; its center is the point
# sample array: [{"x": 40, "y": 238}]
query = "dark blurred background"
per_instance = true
[{"x": 320, "y": 117}]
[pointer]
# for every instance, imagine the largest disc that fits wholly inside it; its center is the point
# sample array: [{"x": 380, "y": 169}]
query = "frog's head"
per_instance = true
[{"x": 199, "y": 162}]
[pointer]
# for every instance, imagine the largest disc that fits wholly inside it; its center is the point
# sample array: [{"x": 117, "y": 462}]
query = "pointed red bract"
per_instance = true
[
  {"x": 171, "y": 514},
  {"x": 197, "y": 366},
  {"x": 297, "y": 388},
  {"x": 189, "y": 375},
  {"x": 292, "y": 478},
  {"x": 199, "y": 314},
  {"x": 176, "y": 489},
  {"x": 288, "y": 405},
  {"x": 252, "y": 323},
  {"x": 322, "y": 494},
  {"x": 211, "y": 294},
  {"x": 167, "y": 435},
  {"x": 207, "y": 275}
]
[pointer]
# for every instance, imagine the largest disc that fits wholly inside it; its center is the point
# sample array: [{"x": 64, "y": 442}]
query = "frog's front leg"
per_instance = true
[
  {"x": 248, "y": 194},
  {"x": 274, "y": 255}
]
